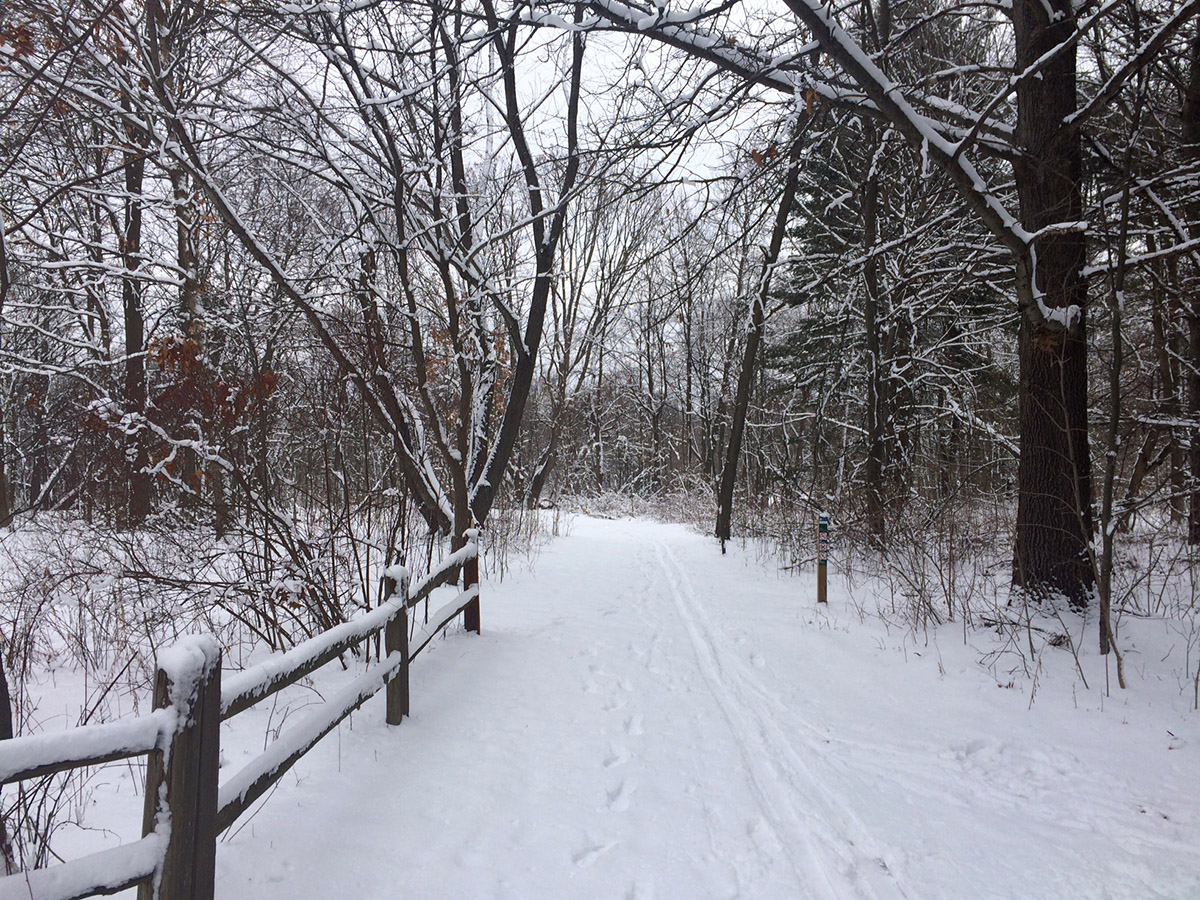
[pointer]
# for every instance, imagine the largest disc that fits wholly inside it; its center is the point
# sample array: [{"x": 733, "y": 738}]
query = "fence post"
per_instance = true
[
  {"x": 181, "y": 780},
  {"x": 822, "y": 558},
  {"x": 471, "y": 577},
  {"x": 395, "y": 640}
]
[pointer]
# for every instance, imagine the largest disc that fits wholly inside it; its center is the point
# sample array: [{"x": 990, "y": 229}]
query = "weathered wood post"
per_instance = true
[
  {"x": 181, "y": 780},
  {"x": 395, "y": 640},
  {"x": 822, "y": 558},
  {"x": 471, "y": 577}
]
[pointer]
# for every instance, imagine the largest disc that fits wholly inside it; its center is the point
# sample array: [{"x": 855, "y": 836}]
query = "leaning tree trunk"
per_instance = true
[
  {"x": 737, "y": 426},
  {"x": 758, "y": 305},
  {"x": 1053, "y": 479},
  {"x": 549, "y": 456}
]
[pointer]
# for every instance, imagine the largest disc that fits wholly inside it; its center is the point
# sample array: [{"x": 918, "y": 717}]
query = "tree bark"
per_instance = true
[
  {"x": 1191, "y": 139},
  {"x": 1054, "y": 521}
]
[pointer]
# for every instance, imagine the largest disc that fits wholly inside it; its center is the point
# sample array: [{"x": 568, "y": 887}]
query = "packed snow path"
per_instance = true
[{"x": 645, "y": 718}]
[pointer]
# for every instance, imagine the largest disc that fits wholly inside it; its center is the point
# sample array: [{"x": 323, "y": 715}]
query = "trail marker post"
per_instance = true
[{"x": 822, "y": 558}]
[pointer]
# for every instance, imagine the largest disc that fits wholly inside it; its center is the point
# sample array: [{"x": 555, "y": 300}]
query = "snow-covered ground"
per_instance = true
[{"x": 643, "y": 717}]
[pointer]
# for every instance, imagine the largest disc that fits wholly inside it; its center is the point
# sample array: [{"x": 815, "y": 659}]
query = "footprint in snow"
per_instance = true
[
  {"x": 589, "y": 855},
  {"x": 617, "y": 755},
  {"x": 618, "y": 800},
  {"x": 280, "y": 875},
  {"x": 634, "y": 725}
]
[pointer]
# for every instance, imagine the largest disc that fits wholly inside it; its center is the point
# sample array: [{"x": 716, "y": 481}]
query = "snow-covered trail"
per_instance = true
[{"x": 645, "y": 718}]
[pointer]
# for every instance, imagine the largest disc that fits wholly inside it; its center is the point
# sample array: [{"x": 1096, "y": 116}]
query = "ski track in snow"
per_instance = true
[{"x": 798, "y": 809}]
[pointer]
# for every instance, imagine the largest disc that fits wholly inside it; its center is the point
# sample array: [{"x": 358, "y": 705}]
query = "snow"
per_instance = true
[
  {"x": 185, "y": 663},
  {"x": 1065, "y": 316},
  {"x": 311, "y": 728},
  {"x": 112, "y": 740},
  {"x": 643, "y": 717},
  {"x": 78, "y": 878},
  {"x": 397, "y": 573}
]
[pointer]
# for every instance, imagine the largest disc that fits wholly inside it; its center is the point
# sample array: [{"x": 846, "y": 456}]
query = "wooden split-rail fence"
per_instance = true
[{"x": 186, "y": 809}]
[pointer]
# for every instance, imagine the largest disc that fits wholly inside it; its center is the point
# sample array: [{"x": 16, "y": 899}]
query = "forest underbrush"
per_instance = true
[
  {"x": 86, "y": 606},
  {"x": 940, "y": 572}
]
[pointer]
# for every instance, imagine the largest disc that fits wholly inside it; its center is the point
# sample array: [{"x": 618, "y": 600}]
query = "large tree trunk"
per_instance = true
[
  {"x": 1191, "y": 140},
  {"x": 1053, "y": 480}
]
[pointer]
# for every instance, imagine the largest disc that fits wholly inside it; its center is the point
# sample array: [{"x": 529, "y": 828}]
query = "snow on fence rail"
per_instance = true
[{"x": 185, "y": 809}]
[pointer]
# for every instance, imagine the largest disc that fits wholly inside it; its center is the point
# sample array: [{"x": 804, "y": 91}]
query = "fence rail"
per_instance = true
[{"x": 185, "y": 807}]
